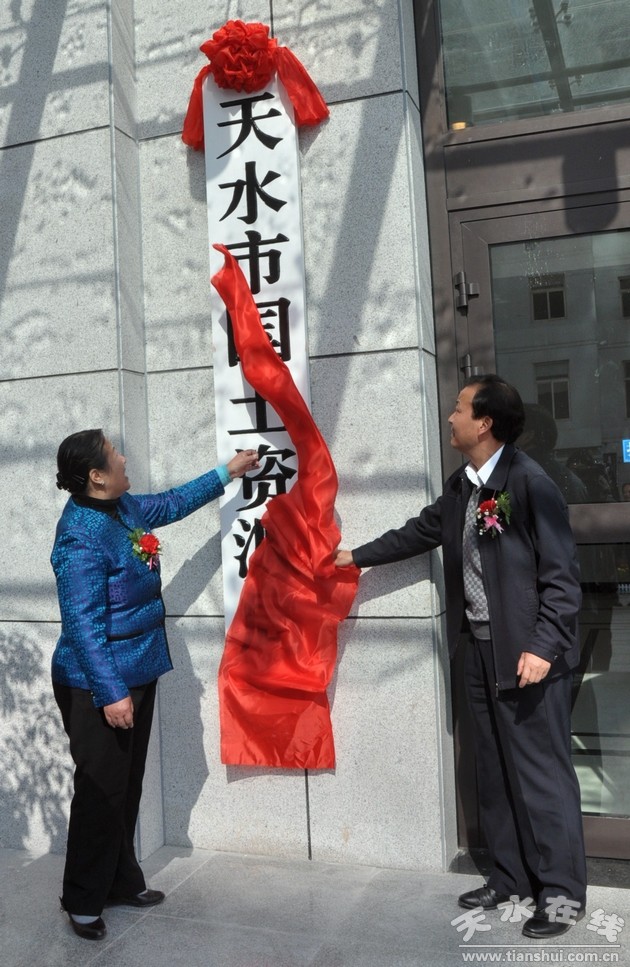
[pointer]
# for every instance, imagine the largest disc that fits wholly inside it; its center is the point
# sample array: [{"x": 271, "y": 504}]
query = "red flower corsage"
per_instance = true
[{"x": 146, "y": 546}]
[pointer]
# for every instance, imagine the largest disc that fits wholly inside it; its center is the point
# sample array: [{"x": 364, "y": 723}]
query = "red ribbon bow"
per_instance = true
[{"x": 244, "y": 57}]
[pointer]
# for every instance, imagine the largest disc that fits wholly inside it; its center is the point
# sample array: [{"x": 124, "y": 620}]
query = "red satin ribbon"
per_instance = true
[
  {"x": 281, "y": 647},
  {"x": 308, "y": 105}
]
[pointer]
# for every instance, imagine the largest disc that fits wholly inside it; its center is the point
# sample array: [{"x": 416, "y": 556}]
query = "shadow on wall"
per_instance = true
[
  {"x": 196, "y": 573},
  {"x": 28, "y": 99},
  {"x": 184, "y": 759},
  {"x": 180, "y": 594},
  {"x": 35, "y": 774}
]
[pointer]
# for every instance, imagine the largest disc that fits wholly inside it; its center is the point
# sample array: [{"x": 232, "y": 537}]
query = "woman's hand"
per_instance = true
[
  {"x": 119, "y": 714},
  {"x": 242, "y": 462},
  {"x": 343, "y": 559}
]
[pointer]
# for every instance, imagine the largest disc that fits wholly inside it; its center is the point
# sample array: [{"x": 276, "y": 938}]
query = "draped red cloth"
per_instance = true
[
  {"x": 281, "y": 647},
  {"x": 244, "y": 58}
]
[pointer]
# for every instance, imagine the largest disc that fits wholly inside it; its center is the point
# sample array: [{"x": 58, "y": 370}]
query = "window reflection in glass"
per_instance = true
[{"x": 572, "y": 368}]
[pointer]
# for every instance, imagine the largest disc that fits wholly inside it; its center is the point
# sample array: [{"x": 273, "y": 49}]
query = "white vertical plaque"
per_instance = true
[{"x": 254, "y": 209}]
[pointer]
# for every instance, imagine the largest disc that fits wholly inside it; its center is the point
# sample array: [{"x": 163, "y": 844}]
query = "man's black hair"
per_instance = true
[{"x": 501, "y": 402}]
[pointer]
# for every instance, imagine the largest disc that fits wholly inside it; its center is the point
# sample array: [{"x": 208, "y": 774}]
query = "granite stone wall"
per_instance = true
[{"x": 105, "y": 322}]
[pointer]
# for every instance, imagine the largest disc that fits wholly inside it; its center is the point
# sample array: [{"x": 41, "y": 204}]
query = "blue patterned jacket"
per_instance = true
[{"x": 112, "y": 613}]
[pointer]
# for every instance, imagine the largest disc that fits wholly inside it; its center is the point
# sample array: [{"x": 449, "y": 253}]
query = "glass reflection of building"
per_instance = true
[{"x": 561, "y": 320}]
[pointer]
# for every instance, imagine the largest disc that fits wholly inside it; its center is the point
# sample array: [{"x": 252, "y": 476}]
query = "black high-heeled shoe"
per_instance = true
[{"x": 94, "y": 930}]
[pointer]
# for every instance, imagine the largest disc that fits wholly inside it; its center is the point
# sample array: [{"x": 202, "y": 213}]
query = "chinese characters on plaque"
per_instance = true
[{"x": 253, "y": 198}]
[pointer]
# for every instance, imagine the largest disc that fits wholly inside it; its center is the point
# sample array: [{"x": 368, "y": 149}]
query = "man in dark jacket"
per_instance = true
[{"x": 512, "y": 582}]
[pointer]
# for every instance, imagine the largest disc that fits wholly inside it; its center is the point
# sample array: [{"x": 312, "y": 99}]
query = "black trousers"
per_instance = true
[
  {"x": 528, "y": 790},
  {"x": 100, "y": 858}
]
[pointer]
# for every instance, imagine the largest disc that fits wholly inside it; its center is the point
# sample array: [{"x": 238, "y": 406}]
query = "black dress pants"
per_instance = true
[
  {"x": 100, "y": 858},
  {"x": 528, "y": 791}
]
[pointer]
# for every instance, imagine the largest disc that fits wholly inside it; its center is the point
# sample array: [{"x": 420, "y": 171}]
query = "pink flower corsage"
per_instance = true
[{"x": 493, "y": 515}]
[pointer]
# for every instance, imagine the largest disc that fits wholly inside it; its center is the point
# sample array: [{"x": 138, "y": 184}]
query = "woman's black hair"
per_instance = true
[
  {"x": 500, "y": 401},
  {"x": 77, "y": 455}
]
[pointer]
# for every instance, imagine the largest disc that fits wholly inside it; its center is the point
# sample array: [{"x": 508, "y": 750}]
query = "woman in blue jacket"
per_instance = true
[{"x": 111, "y": 651}]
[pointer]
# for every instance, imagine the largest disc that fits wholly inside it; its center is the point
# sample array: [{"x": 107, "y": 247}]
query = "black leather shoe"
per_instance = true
[
  {"x": 149, "y": 898},
  {"x": 485, "y": 897},
  {"x": 94, "y": 930},
  {"x": 541, "y": 927}
]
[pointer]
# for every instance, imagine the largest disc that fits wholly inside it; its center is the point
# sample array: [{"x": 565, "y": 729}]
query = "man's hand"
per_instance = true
[
  {"x": 343, "y": 558},
  {"x": 531, "y": 669},
  {"x": 119, "y": 714}
]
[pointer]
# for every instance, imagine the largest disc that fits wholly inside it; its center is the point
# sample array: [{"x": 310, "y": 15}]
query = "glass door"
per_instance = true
[{"x": 545, "y": 302}]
